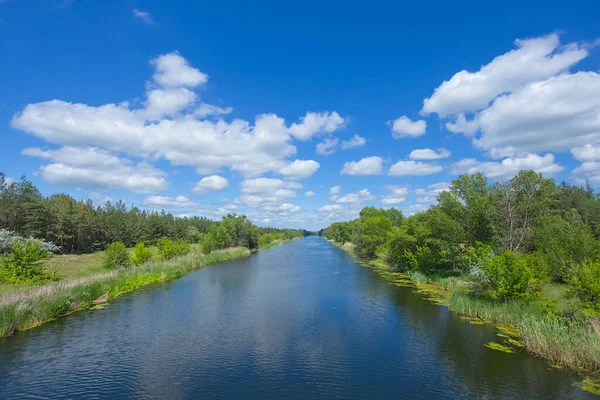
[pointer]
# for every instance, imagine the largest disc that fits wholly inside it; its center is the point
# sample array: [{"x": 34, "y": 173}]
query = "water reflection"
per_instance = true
[{"x": 301, "y": 320}]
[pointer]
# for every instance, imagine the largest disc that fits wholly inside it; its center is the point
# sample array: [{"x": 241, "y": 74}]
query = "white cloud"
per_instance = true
[
  {"x": 167, "y": 127},
  {"x": 94, "y": 168},
  {"x": 330, "y": 207},
  {"x": 168, "y": 102},
  {"x": 463, "y": 125},
  {"x": 402, "y": 168},
  {"x": 508, "y": 167},
  {"x": 300, "y": 169},
  {"x": 534, "y": 59},
  {"x": 356, "y": 198},
  {"x": 589, "y": 171},
  {"x": 9, "y": 181},
  {"x": 396, "y": 195},
  {"x": 169, "y": 202},
  {"x": 403, "y": 127},
  {"x": 269, "y": 195},
  {"x": 586, "y": 153},
  {"x": 204, "y": 110},
  {"x": 354, "y": 141},
  {"x": 143, "y": 16},
  {"x": 556, "y": 114},
  {"x": 314, "y": 123},
  {"x": 213, "y": 183},
  {"x": 310, "y": 193},
  {"x": 429, "y": 195},
  {"x": 172, "y": 70},
  {"x": 366, "y": 166},
  {"x": 335, "y": 190},
  {"x": 429, "y": 154},
  {"x": 327, "y": 146}
]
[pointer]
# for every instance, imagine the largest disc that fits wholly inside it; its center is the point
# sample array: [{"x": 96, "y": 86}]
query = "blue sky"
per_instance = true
[{"x": 263, "y": 108}]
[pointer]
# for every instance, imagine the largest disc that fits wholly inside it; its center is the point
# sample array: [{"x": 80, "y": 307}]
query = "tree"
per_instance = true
[
  {"x": 372, "y": 234},
  {"x": 115, "y": 256}
]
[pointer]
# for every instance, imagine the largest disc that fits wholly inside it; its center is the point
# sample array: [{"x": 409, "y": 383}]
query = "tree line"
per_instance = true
[
  {"x": 509, "y": 237},
  {"x": 77, "y": 226}
]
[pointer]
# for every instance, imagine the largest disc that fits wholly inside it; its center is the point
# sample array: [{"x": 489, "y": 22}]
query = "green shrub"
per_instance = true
[
  {"x": 23, "y": 264},
  {"x": 265, "y": 240},
  {"x": 509, "y": 275},
  {"x": 208, "y": 245},
  {"x": 141, "y": 254},
  {"x": 115, "y": 256},
  {"x": 169, "y": 248},
  {"x": 584, "y": 283}
]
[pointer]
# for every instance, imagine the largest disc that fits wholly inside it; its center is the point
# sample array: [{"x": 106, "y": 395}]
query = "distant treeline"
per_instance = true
[
  {"x": 78, "y": 226},
  {"x": 508, "y": 236}
]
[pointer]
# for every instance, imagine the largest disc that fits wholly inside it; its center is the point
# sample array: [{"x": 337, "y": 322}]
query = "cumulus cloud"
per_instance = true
[
  {"x": 314, "y": 123},
  {"x": 300, "y": 169},
  {"x": 354, "y": 141},
  {"x": 366, "y": 166},
  {"x": 169, "y": 126},
  {"x": 330, "y": 208},
  {"x": 310, "y": 193},
  {"x": 204, "y": 110},
  {"x": 552, "y": 115},
  {"x": 356, "y": 198},
  {"x": 208, "y": 184},
  {"x": 430, "y": 193},
  {"x": 429, "y": 154},
  {"x": 143, "y": 16},
  {"x": 327, "y": 146},
  {"x": 269, "y": 194},
  {"x": 402, "y": 168},
  {"x": 95, "y": 168},
  {"x": 330, "y": 145},
  {"x": 169, "y": 202},
  {"x": 586, "y": 153},
  {"x": 172, "y": 70},
  {"x": 588, "y": 171},
  {"x": 396, "y": 195},
  {"x": 404, "y": 127},
  {"x": 335, "y": 190},
  {"x": 534, "y": 59},
  {"x": 508, "y": 167}
]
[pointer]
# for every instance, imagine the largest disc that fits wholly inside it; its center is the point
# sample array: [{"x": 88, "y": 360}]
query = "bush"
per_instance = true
[
  {"x": 8, "y": 238},
  {"x": 141, "y": 254},
  {"x": 509, "y": 275},
  {"x": 115, "y": 256},
  {"x": 584, "y": 283},
  {"x": 208, "y": 245},
  {"x": 265, "y": 240},
  {"x": 22, "y": 265},
  {"x": 169, "y": 249}
]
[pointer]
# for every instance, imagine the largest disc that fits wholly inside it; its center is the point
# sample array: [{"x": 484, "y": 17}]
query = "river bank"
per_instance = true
[
  {"x": 39, "y": 304},
  {"x": 520, "y": 326}
]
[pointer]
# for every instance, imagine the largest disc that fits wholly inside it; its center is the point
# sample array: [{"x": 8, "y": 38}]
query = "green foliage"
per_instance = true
[
  {"x": 141, "y": 254},
  {"x": 23, "y": 264},
  {"x": 584, "y": 283},
  {"x": 265, "y": 240},
  {"x": 115, "y": 256},
  {"x": 168, "y": 248},
  {"x": 373, "y": 232},
  {"x": 508, "y": 274},
  {"x": 564, "y": 243}
]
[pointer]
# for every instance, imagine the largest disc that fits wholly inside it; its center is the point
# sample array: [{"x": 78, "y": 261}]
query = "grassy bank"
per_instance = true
[
  {"x": 31, "y": 306},
  {"x": 532, "y": 326}
]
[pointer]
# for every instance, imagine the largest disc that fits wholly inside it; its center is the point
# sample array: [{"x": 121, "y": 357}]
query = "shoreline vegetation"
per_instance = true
[
  {"x": 520, "y": 326},
  {"x": 59, "y": 254},
  {"x": 521, "y": 255},
  {"x": 35, "y": 305}
]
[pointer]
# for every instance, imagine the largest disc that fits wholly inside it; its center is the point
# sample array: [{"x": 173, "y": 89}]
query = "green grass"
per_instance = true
[
  {"x": 31, "y": 306},
  {"x": 545, "y": 327}
]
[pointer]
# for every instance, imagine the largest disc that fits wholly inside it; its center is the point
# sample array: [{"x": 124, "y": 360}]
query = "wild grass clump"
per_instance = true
[
  {"x": 569, "y": 343},
  {"x": 26, "y": 309}
]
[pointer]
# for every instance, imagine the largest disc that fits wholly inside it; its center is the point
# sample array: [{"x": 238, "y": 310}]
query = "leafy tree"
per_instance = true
[
  {"x": 141, "y": 254},
  {"x": 372, "y": 234},
  {"x": 584, "y": 283},
  {"x": 23, "y": 264},
  {"x": 115, "y": 256},
  {"x": 508, "y": 274}
]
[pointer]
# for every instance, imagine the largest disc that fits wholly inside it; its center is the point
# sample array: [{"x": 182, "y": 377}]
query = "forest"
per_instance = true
[
  {"x": 510, "y": 241},
  {"x": 34, "y": 227}
]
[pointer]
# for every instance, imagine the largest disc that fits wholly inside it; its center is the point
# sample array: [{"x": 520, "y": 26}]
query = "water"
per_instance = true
[{"x": 301, "y": 320}]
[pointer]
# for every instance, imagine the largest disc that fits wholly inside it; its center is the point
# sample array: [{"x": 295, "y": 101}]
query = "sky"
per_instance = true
[{"x": 296, "y": 114}]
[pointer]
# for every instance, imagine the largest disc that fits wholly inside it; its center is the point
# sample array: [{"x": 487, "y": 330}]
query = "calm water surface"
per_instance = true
[{"x": 301, "y": 320}]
